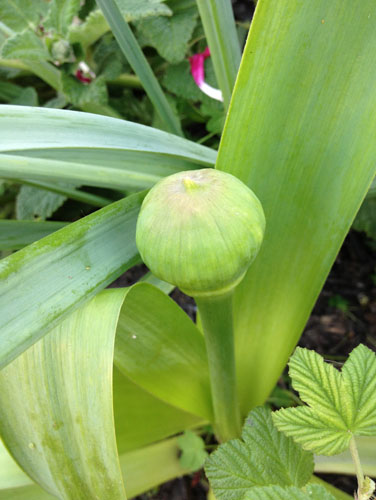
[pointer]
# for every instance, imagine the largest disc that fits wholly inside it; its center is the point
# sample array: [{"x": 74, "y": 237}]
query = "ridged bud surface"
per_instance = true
[{"x": 200, "y": 230}]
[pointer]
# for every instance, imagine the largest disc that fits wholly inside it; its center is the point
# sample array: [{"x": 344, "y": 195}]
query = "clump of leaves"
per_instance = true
[
  {"x": 263, "y": 464},
  {"x": 274, "y": 457}
]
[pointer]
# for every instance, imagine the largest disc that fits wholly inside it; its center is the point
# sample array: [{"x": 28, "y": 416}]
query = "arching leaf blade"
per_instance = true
[
  {"x": 69, "y": 266},
  {"x": 161, "y": 350}
]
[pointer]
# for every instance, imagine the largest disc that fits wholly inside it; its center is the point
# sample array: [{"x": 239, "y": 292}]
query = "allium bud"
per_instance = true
[{"x": 200, "y": 230}]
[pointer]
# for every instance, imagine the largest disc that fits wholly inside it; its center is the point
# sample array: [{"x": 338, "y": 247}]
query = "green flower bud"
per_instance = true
[{"x": 200, "y": 230}]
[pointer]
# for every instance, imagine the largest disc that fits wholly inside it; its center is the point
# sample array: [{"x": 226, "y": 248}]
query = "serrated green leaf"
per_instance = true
[
  {"x": 193, "y": 454},
  {"x": 21, "y": 14},
  {"x": 109, "y": 60},
  {"x": 169, "y": 36},
  {"x": 61, "y": 14},
  {"x": 312, "y": 492},
  {"x": 313, "y": 431},
  {"x": 80, "y": 93},
  {"x": 33, "y": 203},
  {"x": 178, "y": 79},
  {"x": 359, "y": 377},
  {"x": 95, "y": 25},
  {"x": 366, "y": 218},
  {"x": 262, "y": 457},
  {"x": 340, "y": 404},
  {"x": 26, "y": 46},
  {"x": 139, "y": 9}
]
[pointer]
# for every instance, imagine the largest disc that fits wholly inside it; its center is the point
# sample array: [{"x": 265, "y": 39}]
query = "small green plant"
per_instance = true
[
  {"x": 274, "y": 459},
  {"x": 339, "y": 302}
]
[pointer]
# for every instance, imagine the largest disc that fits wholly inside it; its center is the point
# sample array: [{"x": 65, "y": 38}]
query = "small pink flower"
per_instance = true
[
  {"x": 84, "y": 73},
  {"x": 198, "y": 72}
]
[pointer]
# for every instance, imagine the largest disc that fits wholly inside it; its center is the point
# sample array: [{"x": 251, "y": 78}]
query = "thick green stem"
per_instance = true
[
  {"x": 217, "y": 322},
  {"x": 358, "y": 465}
]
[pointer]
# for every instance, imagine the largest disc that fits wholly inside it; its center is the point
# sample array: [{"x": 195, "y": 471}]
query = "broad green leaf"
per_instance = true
[
  {"x": 31, "y": 492},
  {"x": 27, "y": 97},
  {"x": 97, "y": 140},
  {"x": 315, "y": 432},
  {"x": 11, "y": 476},
  {"x": 169, "y": 36},
  {"x": 21, "y": 14},
  {"x": 15, "y": 94},
  {"x": 178, "y": 80},
  {"x": 343, "y": 463},
  {"x": 193, "y": 454},
  {"x": 164, "y": 352},
  {"x": 56, "y": 412},
  {"x": 313, "y": 492},
  {"x": 61, "y": 14},
  {"x": 340, "y": 404},
  {"x": 148, "y": 467},
  {"x": 16, "y": 234},
  {"x": 134, "y": 10},
  {"x": 95, "y": 25},
  {"x": 300, "y": 133},
  {"x": 80, "y": 95},
  {"x": 25, "y": 45},
  {"x": 35, "y": 203},
  {"x": 262, "y": 457},
  {"x": 359, "y": 381},
  {"x": 69, "y": 266},
  {"x": 142, "y": 419},
  {"x": 219, "y": 25}
]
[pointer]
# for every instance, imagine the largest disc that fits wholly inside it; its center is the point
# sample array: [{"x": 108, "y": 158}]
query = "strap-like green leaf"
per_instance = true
[
  {"x": 56, "y": 406},
  {"x": 300, "y": 133},
  {"x": 164, "y": 351},
  {"x": 263, "y": 457},
  {"x": 340, "y": 404},
  {"x": 56, "y": 413},
  {"x": 140, "y": 65},
  {"x": 44, "y": 282},
  {"x": 62, "y": 131}
]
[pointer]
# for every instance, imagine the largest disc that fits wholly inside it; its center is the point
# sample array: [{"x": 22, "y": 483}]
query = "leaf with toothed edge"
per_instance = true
[{"x": 340, "y": 405}]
